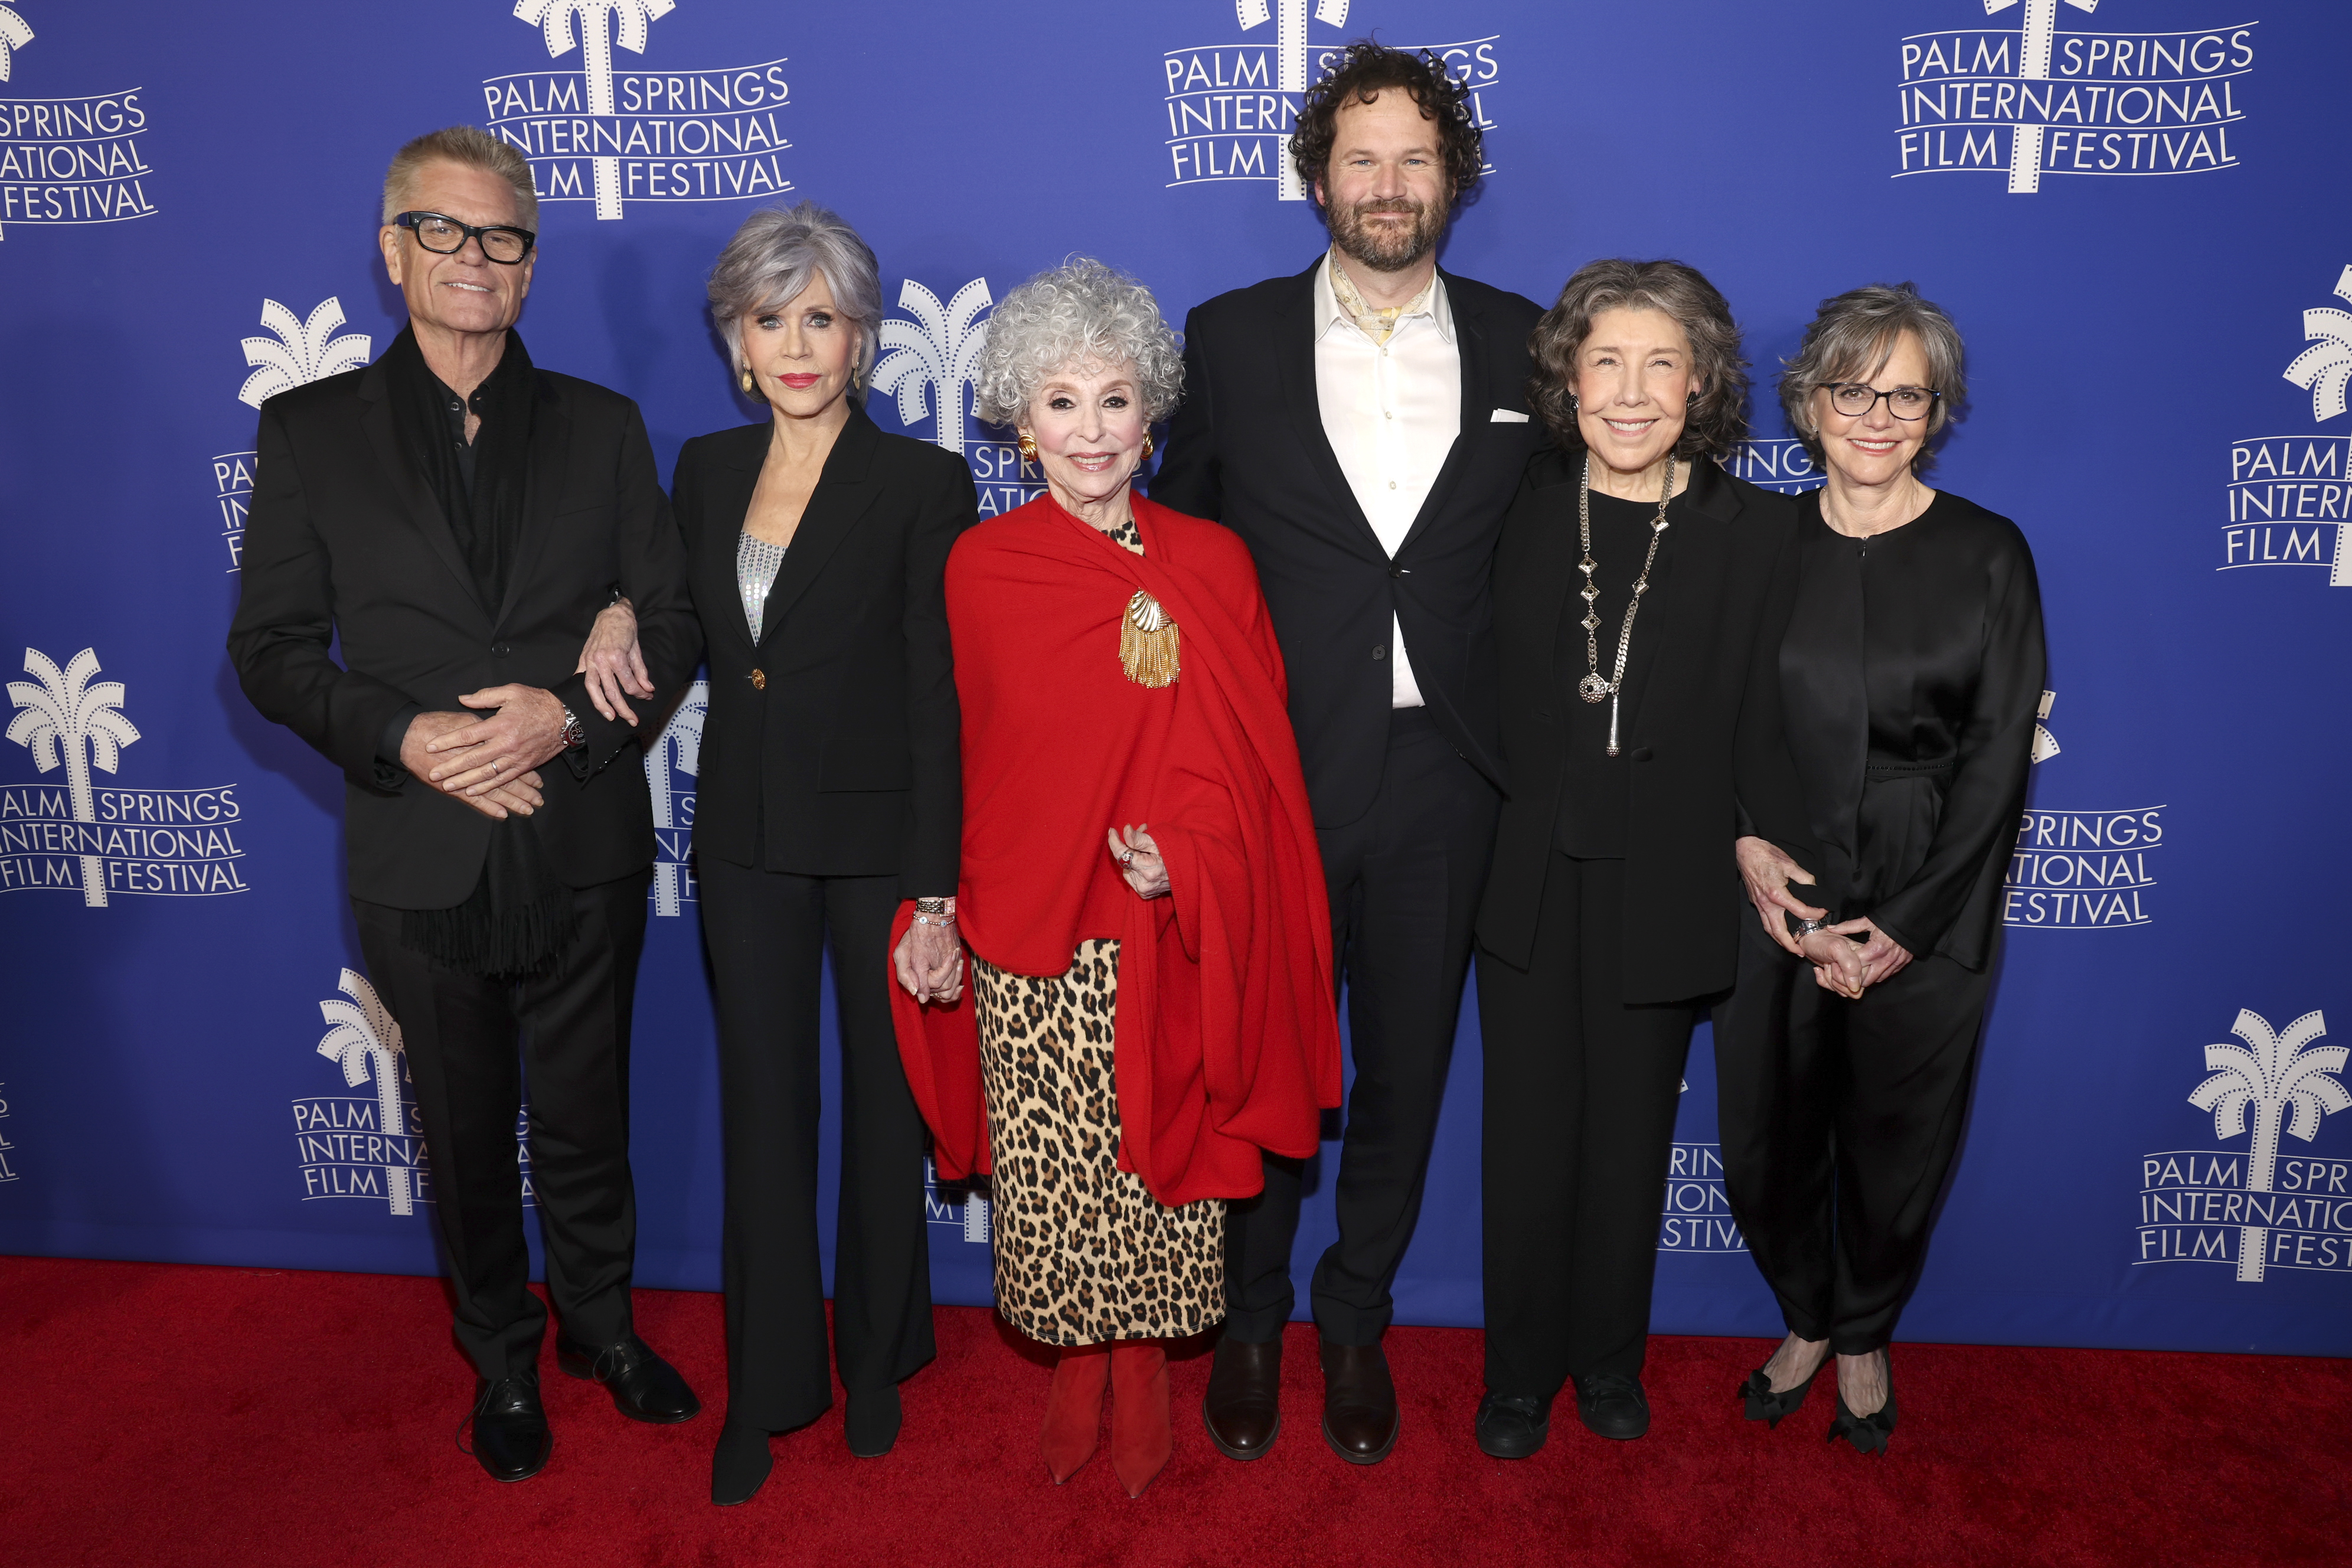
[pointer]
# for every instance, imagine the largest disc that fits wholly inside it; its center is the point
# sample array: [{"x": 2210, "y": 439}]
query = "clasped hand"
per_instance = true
[
  {"x": 1140, "y": 862},
  {"x": 487, "y": 757},
  {"x": 1841, "y": 962},
  {"x": 930, "y": 963}
]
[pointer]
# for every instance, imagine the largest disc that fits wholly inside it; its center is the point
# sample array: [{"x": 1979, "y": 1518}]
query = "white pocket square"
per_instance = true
[{"x": 1508, "y": 416}]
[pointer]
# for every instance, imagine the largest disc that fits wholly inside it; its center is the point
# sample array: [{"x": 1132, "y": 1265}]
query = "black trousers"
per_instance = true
[
  {"x": 1405, "y": 883},
  {"x": 473, "y": 1047},
  {"x": 767, "y": 934},
  {"x": 1840, "y": 1121},
  {"x": 1580, "y": 1094}
]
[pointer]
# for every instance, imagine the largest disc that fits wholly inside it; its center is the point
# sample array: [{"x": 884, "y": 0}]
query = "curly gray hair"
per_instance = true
[
  {"x": 1081, "y": 312},
  {"x": 1853, "y": 336},
  {"x": 772, "y": 259}
]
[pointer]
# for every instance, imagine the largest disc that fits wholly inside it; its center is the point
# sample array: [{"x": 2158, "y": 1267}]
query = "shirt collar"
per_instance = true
[{"x": 1431, "y": 302}]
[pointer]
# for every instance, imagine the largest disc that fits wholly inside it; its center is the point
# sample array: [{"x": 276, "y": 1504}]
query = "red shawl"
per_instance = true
[{"x": 1225, "y": 1041}]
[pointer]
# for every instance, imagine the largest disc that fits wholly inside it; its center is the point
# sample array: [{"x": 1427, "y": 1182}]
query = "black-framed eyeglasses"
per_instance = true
[
  {"x": 444, "y": 236},
  {"x": 1854, "y": 399}
]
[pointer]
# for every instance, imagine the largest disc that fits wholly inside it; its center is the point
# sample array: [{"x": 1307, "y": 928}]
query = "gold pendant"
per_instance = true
[{"x": 1147, "y": 642}]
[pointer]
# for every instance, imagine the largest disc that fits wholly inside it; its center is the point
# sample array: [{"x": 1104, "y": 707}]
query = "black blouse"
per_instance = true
[
  {"x": 1594, "y": 787},
  {"x": 1910, "y": 677}
]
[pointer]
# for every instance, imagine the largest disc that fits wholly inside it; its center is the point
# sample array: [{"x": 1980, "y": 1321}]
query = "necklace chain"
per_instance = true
[{"x": 1594, "y": 686}]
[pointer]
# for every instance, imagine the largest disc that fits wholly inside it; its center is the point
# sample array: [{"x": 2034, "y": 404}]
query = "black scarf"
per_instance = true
[{"x": 519, "y": 917}]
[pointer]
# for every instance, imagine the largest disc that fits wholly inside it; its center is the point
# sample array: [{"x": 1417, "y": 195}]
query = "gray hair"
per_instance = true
[
  {"x": 468, "y": 147},
  {"x": 771, "y": 261},
  {"x": 1081, "y": 312},
  {"x": 1852, "y": 337}
]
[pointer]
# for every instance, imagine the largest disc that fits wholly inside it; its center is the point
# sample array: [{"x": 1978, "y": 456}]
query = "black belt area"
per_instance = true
[{"x": 1878, "y": 770}]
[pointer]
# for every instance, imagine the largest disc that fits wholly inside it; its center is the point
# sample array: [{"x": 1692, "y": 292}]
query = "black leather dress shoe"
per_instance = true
[
  {"x": 1242, "y": 1410},
  {"x": 871, "y": 1422},
  {"x": 643, "y": 1386},
  {"x": 1513, "y": 1425},
  {"x": 1613, "y": 1407},
  {"x": 1360, "y": 1407},
  {"x": 740, "y": 1466},
  {"x": 511, "y": 1435}
]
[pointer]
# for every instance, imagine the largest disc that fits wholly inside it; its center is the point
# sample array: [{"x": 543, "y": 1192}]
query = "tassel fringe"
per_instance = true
[{"x": 1147, "y": 643}]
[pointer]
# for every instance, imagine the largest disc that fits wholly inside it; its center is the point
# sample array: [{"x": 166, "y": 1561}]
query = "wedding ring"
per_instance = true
[{"x": 494, "y": 766}]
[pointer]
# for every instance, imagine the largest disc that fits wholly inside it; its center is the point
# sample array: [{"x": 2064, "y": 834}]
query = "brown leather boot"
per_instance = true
[
  {"x": 1243, "y": 1409},
  {"x": 1074, "y": 1408},
  {"x": 1141, "y": 1437}
]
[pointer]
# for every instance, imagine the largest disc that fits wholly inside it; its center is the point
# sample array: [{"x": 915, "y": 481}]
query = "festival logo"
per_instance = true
[
  {"x": 171, "y": 842},
  {"x": 2256, "y": 1210},
  {"x": 1781, "y": 465},
  {"x": 7, "y": 1171},
  {"x": 2290, "y": 497},
  {"x": 1231, "y": 105},
  {"x": 1698, "y": 1215},
  {"x": 685, "y": 135},
  {"x": 2079, "y": 869},
  {"x": 926, "y": 364},
  {"x": 73, "y": 160},
  {"x": 2034, "y": 99},
  {"x": 296, "y": 353},
  {"x": 964, "y": 1207},
  {"x": 678, "y": 750}
]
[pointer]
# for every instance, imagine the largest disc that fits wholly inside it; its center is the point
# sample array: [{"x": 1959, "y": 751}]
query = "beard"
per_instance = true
[{"x": 1387, "y": 248}]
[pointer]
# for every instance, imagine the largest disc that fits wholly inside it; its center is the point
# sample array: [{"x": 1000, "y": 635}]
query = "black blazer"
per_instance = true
[
  {"x": 346, "y": 540},
  {"x": 1246, "y": 449},
  {"x": 831, "y": 748},
  {"x": 1704, "y": 716}
]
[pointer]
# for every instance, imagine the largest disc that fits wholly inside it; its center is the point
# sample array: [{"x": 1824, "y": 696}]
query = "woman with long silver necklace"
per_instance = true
[{"x": 1612, "y": 912}]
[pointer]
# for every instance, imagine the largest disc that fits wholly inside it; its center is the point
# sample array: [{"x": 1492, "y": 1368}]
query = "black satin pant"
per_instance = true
[
  {"x": 1840, "y": 1121},
  {"x": 767, "y": 933},
  {"x": 1580, "y": 1094}
]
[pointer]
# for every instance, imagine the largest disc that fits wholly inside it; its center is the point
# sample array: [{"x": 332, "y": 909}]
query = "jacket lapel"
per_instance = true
[
  {"x": 1294, "y": 359},
  {"x": 1470, "y": 342},
  {"x": 551, "y": 442},
  {"x": 844, "y": 490},
  {"x": 407, "y": 486}
]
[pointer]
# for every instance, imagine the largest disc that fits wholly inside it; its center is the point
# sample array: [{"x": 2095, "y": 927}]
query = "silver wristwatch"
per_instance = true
[{"x": 575, "y": 734}]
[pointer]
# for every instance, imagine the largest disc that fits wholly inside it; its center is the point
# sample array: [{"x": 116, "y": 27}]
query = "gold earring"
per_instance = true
[
  {"x": 1028, "y": 445},
  {"x": 750, "y": 386},
  {"x": 1147, "y": 444}
]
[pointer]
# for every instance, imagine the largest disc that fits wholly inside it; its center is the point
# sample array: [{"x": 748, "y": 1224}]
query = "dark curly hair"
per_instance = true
[
  {"x": 1718, "y": 419},
  {"x": 1365, "y": 71}
]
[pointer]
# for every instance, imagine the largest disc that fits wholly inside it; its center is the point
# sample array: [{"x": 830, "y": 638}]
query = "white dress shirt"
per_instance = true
[{"x": 1391, "y": 411}]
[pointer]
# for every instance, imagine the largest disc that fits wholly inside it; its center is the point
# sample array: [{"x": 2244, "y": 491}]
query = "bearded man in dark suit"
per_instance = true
[{"x": 459, "y": 518}]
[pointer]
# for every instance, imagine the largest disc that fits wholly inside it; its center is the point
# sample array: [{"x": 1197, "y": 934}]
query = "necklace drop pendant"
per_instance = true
[{"x": 1593, "y": 688}]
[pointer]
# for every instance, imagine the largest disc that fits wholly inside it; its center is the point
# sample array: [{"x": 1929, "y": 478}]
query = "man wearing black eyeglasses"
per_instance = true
[{"x": 458, "y": 518}]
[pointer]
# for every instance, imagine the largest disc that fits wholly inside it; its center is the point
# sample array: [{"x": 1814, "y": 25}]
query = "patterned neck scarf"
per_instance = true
[{"x": 1377, "y": 325}]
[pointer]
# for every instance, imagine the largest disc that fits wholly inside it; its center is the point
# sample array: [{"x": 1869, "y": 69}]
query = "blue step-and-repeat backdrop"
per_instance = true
[{"x": 2136, "y": 209}]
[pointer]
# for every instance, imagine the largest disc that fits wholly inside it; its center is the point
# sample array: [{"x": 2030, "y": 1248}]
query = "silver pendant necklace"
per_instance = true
[{"x": 1594, "y": 686}]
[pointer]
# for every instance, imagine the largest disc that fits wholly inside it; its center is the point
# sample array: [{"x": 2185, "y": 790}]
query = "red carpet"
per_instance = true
[{"x": 223, "y": 1417}]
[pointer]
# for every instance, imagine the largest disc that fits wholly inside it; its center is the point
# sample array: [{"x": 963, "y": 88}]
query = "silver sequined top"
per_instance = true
[{"x": 756, "y": 564}]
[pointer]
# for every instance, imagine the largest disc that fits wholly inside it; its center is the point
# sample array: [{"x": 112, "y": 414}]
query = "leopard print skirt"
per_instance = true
[{"x": 1084, "y": 1252}]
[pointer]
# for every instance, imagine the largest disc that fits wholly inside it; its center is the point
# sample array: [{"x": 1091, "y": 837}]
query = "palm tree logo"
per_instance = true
[
  {"x": 1289, "y": 17},
  {"x": 2045, "y": 744},
  {"x": 2033, "y": 64},
  {"x": 2323, "y": 370},
  {"x": 68, "y": 720},
  {"x": 364, "y": 1039},
  {"x": 2266, "y": 1075},
  {"x": 602, "y": 24},
  {"x": 679, "y": 746},
  {"x": 939, "y": 349},
  {"x": 301, "y": 353},
  {"x": 14, "y": 35}
]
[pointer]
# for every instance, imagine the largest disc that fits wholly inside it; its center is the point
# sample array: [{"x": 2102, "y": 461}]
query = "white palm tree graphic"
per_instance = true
[
  {"x": 2268, "y": 1074},
  {"x": 2045, "y": 744},
  {"x": 364, "y": 1038},
  {"x": 2323, "y": 369},
  {"x": 2033, "y": 64},
  {"x": 68, "y": 720},
  {"x": 679, "y": 746},
  {"x": 14, "y": 35},
  {"x": 940, "y": 352},
  {"x": 303, "y": 352},
  {"x": 1290, "y": 61},
  {"x": 630, "y": 20}
]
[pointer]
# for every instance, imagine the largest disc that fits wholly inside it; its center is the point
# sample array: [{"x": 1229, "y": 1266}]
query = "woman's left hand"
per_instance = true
[
  {"x": 1881, "y": 956},
  {"x": 930, "y": 963},
  {"x": 613, "y": 662},
  {"x": 1139, "y": 861}
]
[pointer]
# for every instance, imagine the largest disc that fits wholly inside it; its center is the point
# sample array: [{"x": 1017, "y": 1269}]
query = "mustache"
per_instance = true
[{"x": 1391, "y": 204}]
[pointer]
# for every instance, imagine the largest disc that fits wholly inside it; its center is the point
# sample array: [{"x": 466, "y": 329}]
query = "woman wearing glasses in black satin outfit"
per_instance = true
[{"x": 1909, "y": 681}]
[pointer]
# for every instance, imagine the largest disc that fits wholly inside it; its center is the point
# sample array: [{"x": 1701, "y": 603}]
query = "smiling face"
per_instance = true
[
  {"x": 464, "y": 292},
  {"x": 802, "y": 353},
  {"x": 1384, "y": 192},
  {"x": 1087, "y": 422},
  {"x": 1875, "y": 448},
  {"x": 1633, "y": 385}
]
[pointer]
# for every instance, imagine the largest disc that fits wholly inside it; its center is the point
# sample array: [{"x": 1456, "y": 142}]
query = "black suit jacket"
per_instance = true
[
  {"x": 841, "y": 757},
  {"x": 1703, "y": 731},
  {"x": 1246, "y": 449},
  {"x": 346, "y": 542}
]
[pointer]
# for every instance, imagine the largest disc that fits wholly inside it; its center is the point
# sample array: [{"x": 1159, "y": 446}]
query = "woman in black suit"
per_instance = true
[
  {"x": 1636, "y": 587},
  {"x": 829, "y": 790},
  {"x": 1908, "y": 685}
]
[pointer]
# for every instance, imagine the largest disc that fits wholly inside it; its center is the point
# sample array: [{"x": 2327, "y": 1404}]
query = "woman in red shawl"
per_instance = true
[{"x": 1150, "y": 1003}]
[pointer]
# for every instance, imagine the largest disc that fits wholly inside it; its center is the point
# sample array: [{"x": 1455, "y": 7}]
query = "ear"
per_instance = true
[{"x": 388, "y": 241}]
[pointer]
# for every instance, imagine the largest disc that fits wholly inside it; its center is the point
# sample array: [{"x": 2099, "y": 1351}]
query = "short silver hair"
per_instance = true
[
  {"x": 468, "y": 147},
  {"x": 1852, "y": 337},
  {"x": 771, "y": 261},
  {"x": 1080, "y": 314}
]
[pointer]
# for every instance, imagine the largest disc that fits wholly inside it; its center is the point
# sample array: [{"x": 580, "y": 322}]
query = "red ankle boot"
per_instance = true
[
  {"x": 1074, "y": 1408},
  {"x": 1140, "y": 1438}
]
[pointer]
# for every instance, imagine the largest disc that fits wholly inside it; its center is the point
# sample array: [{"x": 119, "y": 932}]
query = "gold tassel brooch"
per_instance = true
[{"x": 1147, "y": 642}]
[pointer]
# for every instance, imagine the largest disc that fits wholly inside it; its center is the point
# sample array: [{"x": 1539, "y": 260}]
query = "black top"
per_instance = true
[
  {"x": 1591, "y": 824},
  {"x": 1246, "y": 449},
  {"x": 1910, "y": 679}
]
